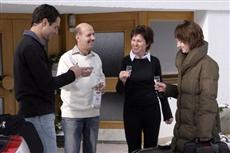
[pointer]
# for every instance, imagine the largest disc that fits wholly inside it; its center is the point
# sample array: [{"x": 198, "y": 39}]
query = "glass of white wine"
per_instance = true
[
  {"x": 96, "y": 102},
  {"x": 129, "y": 69},
  {"x": 157, "y": 78}
]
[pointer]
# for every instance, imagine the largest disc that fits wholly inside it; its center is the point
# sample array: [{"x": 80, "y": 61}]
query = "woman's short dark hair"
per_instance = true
[
  {"x": 146, "y": 32},
  {"x": 45, "y": 11},
  {"x": 191, "y": 33}
]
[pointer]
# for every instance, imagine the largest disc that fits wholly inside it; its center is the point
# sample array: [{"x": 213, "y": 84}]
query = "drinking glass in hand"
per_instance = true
[
  {"x": 129, "y": 69},
  {"x": 157, "y": 78},
  {"x": 97, "y": 93}
]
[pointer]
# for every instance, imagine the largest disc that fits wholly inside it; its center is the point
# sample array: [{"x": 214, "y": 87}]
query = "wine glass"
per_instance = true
[
  {"x": 157, "y": 78},
  {"x": 90, "y": 68},
  {"x": 96, "y": 102},
  {"x": 129, "y": 69}
]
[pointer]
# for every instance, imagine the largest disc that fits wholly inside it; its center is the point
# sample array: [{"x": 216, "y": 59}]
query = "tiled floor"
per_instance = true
[
  {"x": 117, "y": 147},
  {"x": 107, "y": 148},
  {"x": 113, "y": 141}
]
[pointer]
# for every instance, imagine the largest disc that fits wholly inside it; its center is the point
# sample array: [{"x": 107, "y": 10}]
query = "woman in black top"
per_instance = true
[{"x": 136, "y": 80}]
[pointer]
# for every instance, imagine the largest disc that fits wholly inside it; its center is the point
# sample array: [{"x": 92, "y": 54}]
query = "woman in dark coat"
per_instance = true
[
  {"x": 197, "y": 115},
  {"x": 141, "y": 107}
]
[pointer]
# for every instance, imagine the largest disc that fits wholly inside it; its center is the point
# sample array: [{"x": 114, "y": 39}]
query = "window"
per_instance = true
[
  {"x": 110, "y": 47},
  {"x": 164, "y": 46}
]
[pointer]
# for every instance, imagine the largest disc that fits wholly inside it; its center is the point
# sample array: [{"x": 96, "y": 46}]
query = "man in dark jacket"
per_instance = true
[{"x": 34, "y": 84}]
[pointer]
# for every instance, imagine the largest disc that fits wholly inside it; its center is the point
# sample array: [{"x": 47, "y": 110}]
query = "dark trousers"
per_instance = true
[{"x": 142, "y": 119}]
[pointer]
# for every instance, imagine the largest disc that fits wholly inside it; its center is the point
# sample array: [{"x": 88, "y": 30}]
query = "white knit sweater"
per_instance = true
[{"x": 77, "y": 96}]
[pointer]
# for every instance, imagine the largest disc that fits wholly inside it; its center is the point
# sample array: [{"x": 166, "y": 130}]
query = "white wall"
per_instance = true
[
  {"x": 216, "y": 25},
  {"x": 102, "y": 6}
]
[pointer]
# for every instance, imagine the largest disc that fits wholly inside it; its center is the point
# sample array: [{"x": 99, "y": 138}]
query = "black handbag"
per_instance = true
[
  {"x": 206, "y": 147},
  {"x": 9, "y": 124}
]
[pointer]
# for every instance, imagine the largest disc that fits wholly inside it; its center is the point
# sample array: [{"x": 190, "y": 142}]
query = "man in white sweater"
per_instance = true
[{"x": 81, "y": 99}]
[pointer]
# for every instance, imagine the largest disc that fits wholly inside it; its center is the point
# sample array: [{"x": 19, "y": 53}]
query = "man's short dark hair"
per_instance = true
[{"x": 45, "y": 11}]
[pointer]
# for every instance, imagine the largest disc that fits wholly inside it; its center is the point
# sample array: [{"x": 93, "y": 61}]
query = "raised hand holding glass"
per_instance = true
[
  {"x": 129, "y": 69},
  {"x": 157, "y": 78}
]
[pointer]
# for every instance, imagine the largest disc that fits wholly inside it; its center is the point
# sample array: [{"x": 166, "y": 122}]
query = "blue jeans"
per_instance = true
[
  {"x": 77, "y": 129},
  {"x": 45, "y": 127}
]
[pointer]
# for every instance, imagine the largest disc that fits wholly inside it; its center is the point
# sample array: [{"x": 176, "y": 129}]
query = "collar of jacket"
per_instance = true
[
  {"x": 183, "y": 62},
  {"x": 30, "y": 33}
]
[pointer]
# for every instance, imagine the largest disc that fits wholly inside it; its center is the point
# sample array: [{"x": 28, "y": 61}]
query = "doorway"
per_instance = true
[{"x": 7, "y": 100}]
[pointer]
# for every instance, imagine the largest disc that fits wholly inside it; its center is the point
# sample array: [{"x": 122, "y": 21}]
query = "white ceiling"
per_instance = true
[{"x": 102, "y": 6}]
